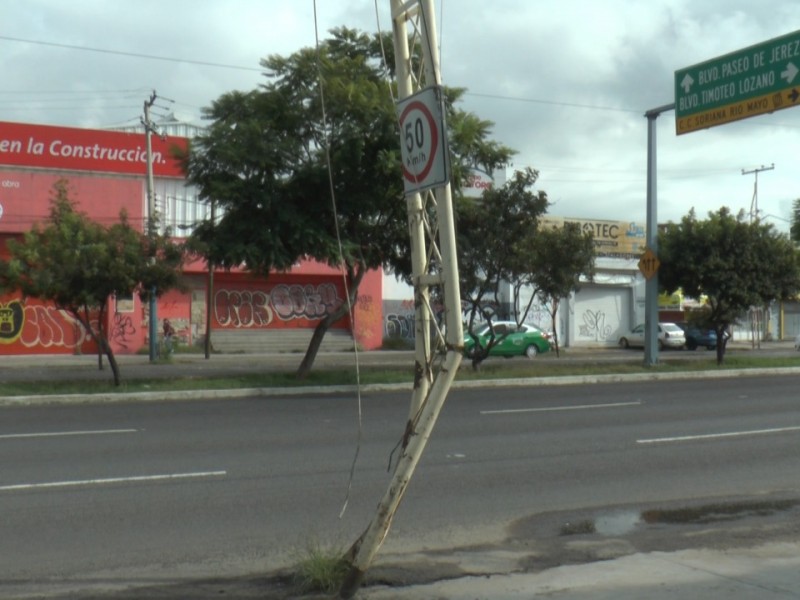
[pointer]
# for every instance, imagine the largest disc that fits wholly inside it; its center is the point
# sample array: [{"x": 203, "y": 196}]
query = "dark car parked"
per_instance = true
[{"x": 696, "y": 336}]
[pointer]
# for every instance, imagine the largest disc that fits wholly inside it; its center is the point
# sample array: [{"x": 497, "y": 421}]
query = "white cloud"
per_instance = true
[{"x": 566, "y": 82}]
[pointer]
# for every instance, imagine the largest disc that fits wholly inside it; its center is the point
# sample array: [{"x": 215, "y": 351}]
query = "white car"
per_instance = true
[{"x": 669, "y": 336}]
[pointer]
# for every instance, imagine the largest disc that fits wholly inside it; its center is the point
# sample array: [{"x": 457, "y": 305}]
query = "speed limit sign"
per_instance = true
[{"x": 423, "y": 143}]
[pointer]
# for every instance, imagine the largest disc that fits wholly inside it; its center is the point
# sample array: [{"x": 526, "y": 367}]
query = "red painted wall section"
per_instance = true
[
  {"x": 368, "y": 314},
  {"x": 177, "y": 307},
  {"x": 25, "y": 198}
]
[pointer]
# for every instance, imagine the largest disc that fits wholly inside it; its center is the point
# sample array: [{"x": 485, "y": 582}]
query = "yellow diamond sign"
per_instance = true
[{"x": 648, "y": 263}]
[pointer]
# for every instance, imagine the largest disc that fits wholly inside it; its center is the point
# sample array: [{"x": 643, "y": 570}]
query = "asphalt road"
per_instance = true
[{"x": 148, "y": 492}]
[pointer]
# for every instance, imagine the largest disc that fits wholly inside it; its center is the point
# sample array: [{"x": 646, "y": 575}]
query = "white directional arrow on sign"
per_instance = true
[
  {"x": 790, "y": 73},
  {"x": 686, "y": 83}
]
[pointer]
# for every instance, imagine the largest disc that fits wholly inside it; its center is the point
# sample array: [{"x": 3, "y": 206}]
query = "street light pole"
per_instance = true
[
  {"x": 151, "y": 215},
  {"x": 651, "y": 285}
]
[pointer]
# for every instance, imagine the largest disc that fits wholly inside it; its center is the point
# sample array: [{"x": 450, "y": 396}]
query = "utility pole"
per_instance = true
[
  {"x": 209, "y": 292},
  {"x": 151, "y": 221},
  {"x": 756, "y": 324},
  {"x": 754, "y": 201},
  {"x": 434, "y": 264}
]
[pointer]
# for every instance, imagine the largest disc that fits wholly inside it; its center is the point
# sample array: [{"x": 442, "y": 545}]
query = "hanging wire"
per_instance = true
[
  {"x": 383, "y": 56},
  {"x": 326, "y": 146}
]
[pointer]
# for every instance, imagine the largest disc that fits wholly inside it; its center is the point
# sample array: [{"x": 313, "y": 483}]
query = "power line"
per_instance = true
[
  {"x": 551, "y": 102},
  {"x": 28, "y": 107},
  {"x": 131, "y": 54},
  {"x": 130, "y": 91}
]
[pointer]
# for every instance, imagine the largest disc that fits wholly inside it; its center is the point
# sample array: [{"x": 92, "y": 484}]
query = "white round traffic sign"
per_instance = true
[{"x": 421, "y": 141}]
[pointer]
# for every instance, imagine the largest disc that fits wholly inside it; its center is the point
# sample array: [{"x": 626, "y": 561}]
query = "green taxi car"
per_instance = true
[{"x": 510, "y": 339}]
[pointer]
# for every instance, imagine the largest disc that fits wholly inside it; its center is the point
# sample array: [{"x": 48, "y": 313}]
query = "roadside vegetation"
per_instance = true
[
  {"x": 731, "y": 261},
  {"x": 545, "y": 366},
  {"x": 320, "y": 568},
  {"x": 80, "y": 265}
]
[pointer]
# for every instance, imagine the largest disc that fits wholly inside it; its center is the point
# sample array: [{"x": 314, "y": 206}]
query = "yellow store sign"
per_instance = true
[{"x": 616, "y": 239}]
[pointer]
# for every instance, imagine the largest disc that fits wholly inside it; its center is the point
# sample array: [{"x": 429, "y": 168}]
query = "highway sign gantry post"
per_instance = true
[{"x": 756, "y": 80}]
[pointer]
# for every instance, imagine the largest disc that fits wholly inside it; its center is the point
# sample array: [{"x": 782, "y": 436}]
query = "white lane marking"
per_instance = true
[
  {"x": 10, "y": 436},
  {"x": 712, "y": 436},
  {"x": 559, "y": 408},
  {"x": 87, "y": 482}
]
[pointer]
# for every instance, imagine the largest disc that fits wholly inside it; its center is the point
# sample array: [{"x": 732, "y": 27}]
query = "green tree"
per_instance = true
[
  {"x": 552, "y": 263},
  {"x": 490, "y": 234},
  {"x": 79, "y": 265},
  {"x": 794, "y": 231},
  {"x": 733, "y": 263},
  {"x": 308, "y": 165}
]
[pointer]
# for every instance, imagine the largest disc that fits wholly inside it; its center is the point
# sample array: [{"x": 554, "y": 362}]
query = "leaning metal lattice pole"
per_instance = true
[{"x": 431, "y": 226}]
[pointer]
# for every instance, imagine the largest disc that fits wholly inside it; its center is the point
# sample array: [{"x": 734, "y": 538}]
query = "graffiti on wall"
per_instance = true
[
  {"x": 40, "y": 326},
  {"x": 305, "y": 301},
  {"x": 594, "y": 326},
  {"x": 244, "y": 308},
  {"x": 400, "y": 318},
  {"x": 539, "y": 315},
  {"x": 399, "y": 326},
  {"x": 12, "y": 317},
  {"x": 122, "y": 330}
]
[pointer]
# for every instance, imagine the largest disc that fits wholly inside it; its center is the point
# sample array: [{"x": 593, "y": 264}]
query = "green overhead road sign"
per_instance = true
[{"x": 753, "y": 81}]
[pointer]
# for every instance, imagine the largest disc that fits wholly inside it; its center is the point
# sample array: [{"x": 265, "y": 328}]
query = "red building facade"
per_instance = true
[{"x": 106, "y": 172}]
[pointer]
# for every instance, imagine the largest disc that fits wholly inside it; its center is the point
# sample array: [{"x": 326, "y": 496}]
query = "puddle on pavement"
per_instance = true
[
  {"x": 618, "y": 523},
  {"x": 621, "y": 521}
]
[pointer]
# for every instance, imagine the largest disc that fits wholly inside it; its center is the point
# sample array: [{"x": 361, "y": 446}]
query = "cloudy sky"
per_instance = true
[{"x": 566, "y": 82}]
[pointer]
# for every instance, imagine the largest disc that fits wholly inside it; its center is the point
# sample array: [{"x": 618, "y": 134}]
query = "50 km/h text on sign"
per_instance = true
[
  {"x": 423, "y": 143},
  {"x": 752, "y": 81}
]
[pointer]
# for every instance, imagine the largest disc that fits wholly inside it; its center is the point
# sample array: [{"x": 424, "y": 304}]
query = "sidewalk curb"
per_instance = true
[{"x": 187, "y": 395}]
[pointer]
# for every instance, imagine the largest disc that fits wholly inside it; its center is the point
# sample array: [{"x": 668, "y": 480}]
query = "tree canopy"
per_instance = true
[
  {"x": 500, "y": 242},
  {"x": 552, "y": 262},
  {"x": 794, "y": 231},
  {"x": 79, "y": 265},
  {"x": 489, "y": 233},
  {"x": 308, "y": 165},
  {"x": 732, "y": 263}
]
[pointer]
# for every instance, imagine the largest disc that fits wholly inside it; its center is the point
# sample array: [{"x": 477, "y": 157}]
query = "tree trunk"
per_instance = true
[
  {"x": 722, "y": 342},
  {"x": 105, "y": 348},
  {"x": 555, "y": 332},
  {"x": 112, "y": 361},
  {"x": 325, "y": 324}
]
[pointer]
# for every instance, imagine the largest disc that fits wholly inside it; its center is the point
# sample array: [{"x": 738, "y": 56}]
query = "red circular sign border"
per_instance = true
[{"x": 416, "y": 104}]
